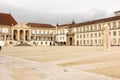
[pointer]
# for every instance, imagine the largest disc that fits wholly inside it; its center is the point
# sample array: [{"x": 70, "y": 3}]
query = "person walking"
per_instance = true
[{"x": 0, "y": 47}]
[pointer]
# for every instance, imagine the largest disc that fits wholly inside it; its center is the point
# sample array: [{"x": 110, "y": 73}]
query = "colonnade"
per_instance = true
[{"x": 21, "y": 35}]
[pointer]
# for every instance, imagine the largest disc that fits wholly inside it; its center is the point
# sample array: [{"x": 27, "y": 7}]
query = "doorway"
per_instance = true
[
  {"x": 15, "y": 36},
  {"x": 70, "y": 40},
  {"x": 26, "y": 35}
]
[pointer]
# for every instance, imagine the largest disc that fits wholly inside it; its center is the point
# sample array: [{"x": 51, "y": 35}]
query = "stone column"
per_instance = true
[
  {"x": 0, "y": 37},
  {"x": 18, "y": 35},
  {"x": 106, "y": 38},
  {"x": 4, "y": 37},
  {"x": 67, "y": 40},
  {"x": 24, "y": 35},
  {"x": 9, "y": 37},
  {"x": 34, "y": 37},
  {"x": 12, "y": 34},
  {"x": 29, "y": 35},
  {"x": 73, "y": 40},
  {"x": 5, "y": 40},
  {"x": 37, "y": 38}
]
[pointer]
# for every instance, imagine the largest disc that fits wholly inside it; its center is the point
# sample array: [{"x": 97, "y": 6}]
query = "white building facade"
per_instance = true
[{"x": 81, "y": 34}]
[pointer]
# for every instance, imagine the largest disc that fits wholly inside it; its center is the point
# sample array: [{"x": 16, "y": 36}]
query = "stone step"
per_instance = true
[{"x": 23, "y": 44}]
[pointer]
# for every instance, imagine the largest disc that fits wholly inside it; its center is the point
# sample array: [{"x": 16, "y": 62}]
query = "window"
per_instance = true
[
  {"x": 119, "y": 24},
  {"x": 84, "y": 36},
  {"x": 39, "y": 38},
  {"x": 99, "y": 41},
  {"x": 119, "y": 40},
  {"x": 99, "y": 34},
  {"x": 80, "y": 42},
  {"x": 39, "y": 32},
  {"x": 60, "y": 38},
  {"x": 87, "y": 35},
  {"x": 91, "y": 28},
  {"x": 95, "y": 27},
  {"x": 114, "y": 33},
  {"x": 44, "y": 38},
  {"x": 63, "y": 31},
  {"x": 95, "y": 34},
  {"x": 77, "y": 43},
  {"x": 99, "y": 27},
  {"x": 119, "y": 33},
  {"x": 63, "y": 37},
  {"x": 77, "y": 30},
  {"x": 77, "y": 36},
  {"x": 95, "y": 41},
  {"x": 114, "y": 25},
  {"x": 114, "y": 40},
  {"x": 84, "y": 42},
  {"x": 91, "y": 35},
  {"x": 84, "y": 29},
  {"x": 56, "y": 38},
  {"x": 87, "y": 41},
  {"x": 46, "y": 43},
  {"x": 87, "y": 28},
  {"x": 4, "y": 30},
  {"x": 91, "y": 42},
  {"x": 33, "y": 31},
  {"x": 81, "y": 29},
  {"x": 41, "y": 43},
  {"x": 80, "y": 36},
  {"x": 109, "y": 24},
  {"x": 109, "y": 33},
  {"x": 47, "y": 32},
  {"x": 44, "y": 32}
]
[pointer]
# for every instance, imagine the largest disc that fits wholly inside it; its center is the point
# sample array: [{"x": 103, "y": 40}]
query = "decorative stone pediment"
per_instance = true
[
  {"x": 21, "y": 25},
  {"x": 70, "y": 31}
]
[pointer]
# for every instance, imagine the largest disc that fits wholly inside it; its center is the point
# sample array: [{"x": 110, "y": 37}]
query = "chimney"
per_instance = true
[{"x": 117, "y": 13}]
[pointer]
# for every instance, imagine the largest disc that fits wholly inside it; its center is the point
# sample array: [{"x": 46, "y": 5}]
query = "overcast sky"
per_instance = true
[{"x": 61, "y": 11}]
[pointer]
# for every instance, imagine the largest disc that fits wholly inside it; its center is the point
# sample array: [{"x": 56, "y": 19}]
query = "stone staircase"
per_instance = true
[{"x": 23, "y": 44}]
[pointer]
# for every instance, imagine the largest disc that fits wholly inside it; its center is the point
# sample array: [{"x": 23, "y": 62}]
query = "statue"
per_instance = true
[{"x": 106, "y": 38}]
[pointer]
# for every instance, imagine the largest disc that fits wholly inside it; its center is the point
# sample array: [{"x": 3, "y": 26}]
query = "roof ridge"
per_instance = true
[
  {"x": 7, "y": 19},
  {"x": 38, "y": 23}
]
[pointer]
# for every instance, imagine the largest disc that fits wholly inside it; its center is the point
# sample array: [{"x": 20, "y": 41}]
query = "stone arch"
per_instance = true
[
  {"x": 15, "y": 35},
  {"x": 50, "y": 43},
  {"x": 77, "y": 43},
  {"x": 21, "y": 35},
  {"x": 27, "y": 34}
]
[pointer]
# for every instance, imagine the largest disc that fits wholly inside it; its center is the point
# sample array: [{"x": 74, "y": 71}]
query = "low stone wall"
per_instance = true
[{"x": 2, "y": 43}]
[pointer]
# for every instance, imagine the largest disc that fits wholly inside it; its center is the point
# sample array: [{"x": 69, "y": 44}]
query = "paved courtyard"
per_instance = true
[{"x": 59, "y": 63}]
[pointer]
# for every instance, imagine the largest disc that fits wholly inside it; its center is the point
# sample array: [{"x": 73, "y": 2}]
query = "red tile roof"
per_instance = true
[
  {"x": 116, "y": 11},
  {"x": 92, "y": 22},
  {"x": 63, "y": 25},
  {"x": 40, "y": 25},
  {"x": 99, "y": 21},
  {"x": 7, "y": 19},
  {"x": 70, "y": 25}
]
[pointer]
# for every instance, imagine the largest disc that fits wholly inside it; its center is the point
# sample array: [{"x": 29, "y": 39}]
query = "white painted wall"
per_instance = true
[
  {"x": 60, "y": 38},
  {"x": 2, "y": 43}
]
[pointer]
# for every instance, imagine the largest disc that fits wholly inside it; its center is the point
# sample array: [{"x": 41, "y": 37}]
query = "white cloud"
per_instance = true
[{"x": 63, "y": 11}]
